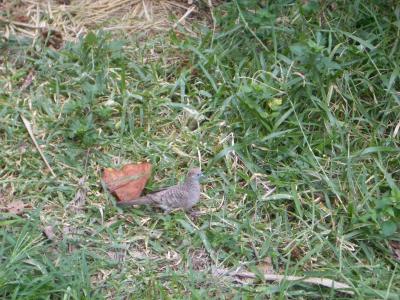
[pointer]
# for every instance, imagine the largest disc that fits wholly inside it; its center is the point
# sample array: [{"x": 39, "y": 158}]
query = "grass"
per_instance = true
[{"x": 301, "y": 100}]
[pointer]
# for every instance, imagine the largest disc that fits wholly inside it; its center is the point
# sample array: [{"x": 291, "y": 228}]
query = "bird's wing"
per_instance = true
[{"x": 172, "y": 197}]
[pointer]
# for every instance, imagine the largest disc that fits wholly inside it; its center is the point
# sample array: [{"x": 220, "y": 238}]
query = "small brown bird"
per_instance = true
[{"x": 184, "y": 195}]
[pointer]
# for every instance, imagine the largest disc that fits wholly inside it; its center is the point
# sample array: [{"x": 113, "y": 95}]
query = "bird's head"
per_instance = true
[{"x": 195, "y": 173}]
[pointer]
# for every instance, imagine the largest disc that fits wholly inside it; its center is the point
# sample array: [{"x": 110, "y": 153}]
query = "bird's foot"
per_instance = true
[{"x": 195, "y": 213}]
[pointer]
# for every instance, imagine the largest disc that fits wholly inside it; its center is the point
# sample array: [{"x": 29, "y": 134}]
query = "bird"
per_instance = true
[{"x": 184, "y": 195}]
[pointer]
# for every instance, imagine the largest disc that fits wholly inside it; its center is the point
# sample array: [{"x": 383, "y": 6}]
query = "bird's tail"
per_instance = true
[{"x": 138, "y": 201}]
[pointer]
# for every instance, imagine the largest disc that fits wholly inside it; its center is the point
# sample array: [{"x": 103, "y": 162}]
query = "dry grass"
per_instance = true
[{"x": 75, "y": 18}]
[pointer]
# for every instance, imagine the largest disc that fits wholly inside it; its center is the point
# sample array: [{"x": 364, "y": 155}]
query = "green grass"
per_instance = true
[{"x": 303, "y": 98}]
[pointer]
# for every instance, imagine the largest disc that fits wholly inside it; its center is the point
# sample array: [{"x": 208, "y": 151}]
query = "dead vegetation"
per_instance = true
[{"x": 62, "y": 20}]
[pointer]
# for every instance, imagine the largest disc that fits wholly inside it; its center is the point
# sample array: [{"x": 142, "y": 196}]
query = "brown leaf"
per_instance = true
[
  {"x": 49, "y": 232},
  {"x": 16, "y": 207},
  {"x": 52, "y": 38},
  {"x": 128, "y": 182}
]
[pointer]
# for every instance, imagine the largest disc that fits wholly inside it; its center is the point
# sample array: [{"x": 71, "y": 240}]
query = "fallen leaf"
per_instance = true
[
  {"x": 128, "y": 182},
  {"x": 49, "y": 232},
  {"x": 16, "y": 207},
  {"x": 52, "y": 38}
]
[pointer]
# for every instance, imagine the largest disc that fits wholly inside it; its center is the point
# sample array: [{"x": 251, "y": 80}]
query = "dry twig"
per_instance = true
[
  {"x": 343, "y": 287},
  {"x": 182, "y": 19},
  {"x": 30, "y": 131}
]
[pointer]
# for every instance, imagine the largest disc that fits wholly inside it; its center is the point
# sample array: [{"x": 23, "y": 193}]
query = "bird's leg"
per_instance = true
[
  {"x": 194, "y": 213},
  {"x": 172, "y": 210},
  {"x": 167, "y": 211}
]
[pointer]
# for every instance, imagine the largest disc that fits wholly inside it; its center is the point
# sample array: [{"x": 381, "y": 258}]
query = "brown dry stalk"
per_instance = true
[
  {"x": 19, "y": 23},
  {"x": 30, "y": 131},
  {"x": 182, "y": 19},
  {"x": 274, "y": 277}
]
